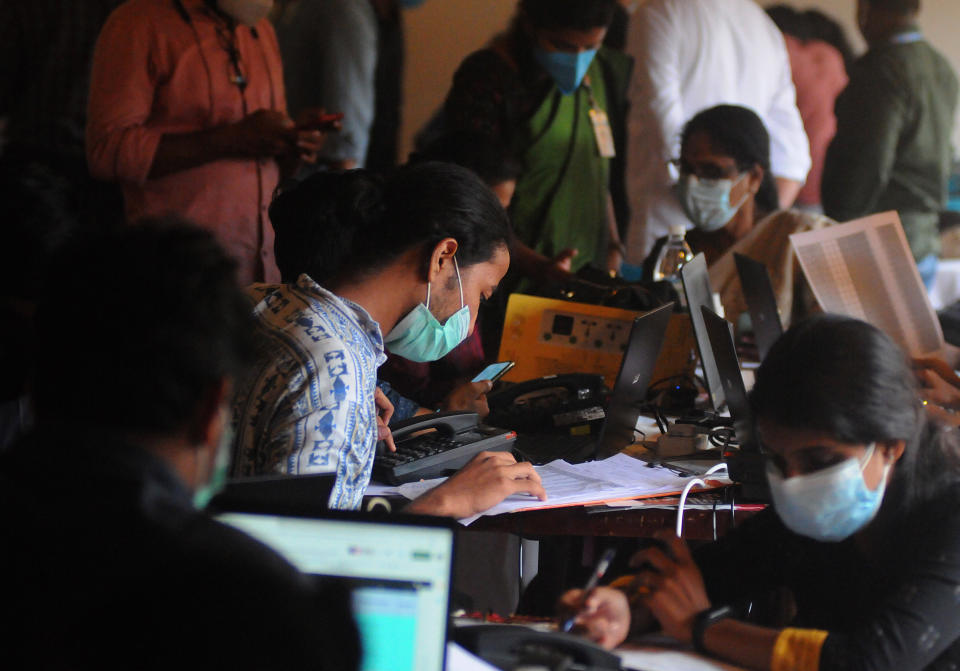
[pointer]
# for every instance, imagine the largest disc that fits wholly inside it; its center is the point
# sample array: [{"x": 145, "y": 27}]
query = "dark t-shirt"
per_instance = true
[
  {"x": 896, "y": 609},
  {"x": 106, "y": 564}
]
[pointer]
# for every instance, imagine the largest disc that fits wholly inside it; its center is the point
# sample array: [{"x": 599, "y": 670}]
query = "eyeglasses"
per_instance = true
[{"x": 704, "y": 170}]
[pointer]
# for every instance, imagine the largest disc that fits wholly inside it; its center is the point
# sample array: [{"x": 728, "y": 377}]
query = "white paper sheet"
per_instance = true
[
  {"x": 667, "y": 660},
  {"x": 620, "y": 476},
  {"x": 459, "y": 659},
  {"x": 864, "y": 269}
]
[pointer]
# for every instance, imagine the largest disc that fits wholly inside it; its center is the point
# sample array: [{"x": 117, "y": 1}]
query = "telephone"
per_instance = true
[
  {"x": 510, "y": 647},
  {"x": 430, "y": 446},
  {"x": 556, "y": 417}
]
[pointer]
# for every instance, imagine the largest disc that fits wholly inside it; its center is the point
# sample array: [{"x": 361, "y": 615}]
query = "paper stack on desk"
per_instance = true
[{"x": 617, "y": 478}]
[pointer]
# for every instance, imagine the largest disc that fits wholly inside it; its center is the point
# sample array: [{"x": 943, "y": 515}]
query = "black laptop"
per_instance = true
[
  {"x": 696, "y": 286},
  {"x": 761, "y": 302},
  {"x": 747, "y": 464}
]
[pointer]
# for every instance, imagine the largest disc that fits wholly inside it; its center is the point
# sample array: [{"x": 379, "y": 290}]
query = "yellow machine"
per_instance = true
[{"x": 546, "y": 336}]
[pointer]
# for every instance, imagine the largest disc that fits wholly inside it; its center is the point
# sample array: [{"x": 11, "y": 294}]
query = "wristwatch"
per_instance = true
[{"x": 704, "y": 619}]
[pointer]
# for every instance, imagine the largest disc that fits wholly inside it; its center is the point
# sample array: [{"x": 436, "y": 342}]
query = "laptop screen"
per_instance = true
[
  {"x": 630, "y": 390},
  {"x": 720, "y": 332},
  {"x": 399, "y": 571},
  {"x": 696, "y": 285},
  {"x": 761, "y": 302}
]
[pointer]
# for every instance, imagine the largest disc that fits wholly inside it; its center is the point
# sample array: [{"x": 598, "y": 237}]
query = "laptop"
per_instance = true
[
  {"x": 633, "y": 380},
  {"x": 746, "y": 465},
  {"x": 761, "y": 302},
  {"x": 308, "y": 490},
  {"x": 720, "y": 336},
  {"x": 399, "y": 569},
  {"x": 696, "y": 286}
]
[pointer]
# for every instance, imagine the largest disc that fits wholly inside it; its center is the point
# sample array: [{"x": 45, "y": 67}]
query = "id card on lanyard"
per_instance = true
[{"x": 602, "y": 132}]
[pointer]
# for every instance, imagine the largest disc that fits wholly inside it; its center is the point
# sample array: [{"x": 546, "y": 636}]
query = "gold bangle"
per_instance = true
[{"x": 797, "y": 650}]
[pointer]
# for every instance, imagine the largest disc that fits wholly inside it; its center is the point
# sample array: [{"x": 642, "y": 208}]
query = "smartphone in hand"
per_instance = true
[{"x": 494, "y": 371}]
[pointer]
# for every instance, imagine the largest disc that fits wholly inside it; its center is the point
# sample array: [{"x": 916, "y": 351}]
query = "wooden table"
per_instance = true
[{"x": 699, "y": 525}]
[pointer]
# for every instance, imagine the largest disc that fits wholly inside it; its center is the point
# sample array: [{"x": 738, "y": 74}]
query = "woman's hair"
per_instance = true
[
  {"x": 335, "y": 225},
  {"x": 483, "y": 154},
  {"x": 575, "y": 14},
  {"x": 739, "y": 133},
  {"x": 846, "y": 378}
]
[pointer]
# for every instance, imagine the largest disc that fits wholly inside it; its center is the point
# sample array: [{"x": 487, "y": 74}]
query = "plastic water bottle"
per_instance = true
[{"x": 674, "y": 254}]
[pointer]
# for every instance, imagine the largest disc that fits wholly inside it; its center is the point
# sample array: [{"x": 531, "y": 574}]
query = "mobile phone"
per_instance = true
[
  {"x": 324, "y": 122},
  {"x": 494, "y": 371}
]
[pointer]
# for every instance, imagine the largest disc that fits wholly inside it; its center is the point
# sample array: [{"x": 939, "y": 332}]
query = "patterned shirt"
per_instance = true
[{"x": 308, "y": 405}]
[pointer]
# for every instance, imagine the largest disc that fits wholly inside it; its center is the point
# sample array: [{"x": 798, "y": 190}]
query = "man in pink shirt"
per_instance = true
[{"x": 188, "y": 112}]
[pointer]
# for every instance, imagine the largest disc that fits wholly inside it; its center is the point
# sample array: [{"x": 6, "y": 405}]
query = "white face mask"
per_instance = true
[
  {"x": 247, "y": 12},
  {"x": 828, "y": 505},
  {"x": 706, "y": 202}
]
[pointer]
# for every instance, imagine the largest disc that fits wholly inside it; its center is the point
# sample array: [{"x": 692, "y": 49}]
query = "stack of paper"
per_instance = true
[
  {"x": 864, "y": 269},
  {"x": 619, "y": 477}
]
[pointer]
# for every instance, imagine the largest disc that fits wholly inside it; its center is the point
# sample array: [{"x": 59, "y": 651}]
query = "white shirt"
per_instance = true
[{"x": 692, "y": 55}]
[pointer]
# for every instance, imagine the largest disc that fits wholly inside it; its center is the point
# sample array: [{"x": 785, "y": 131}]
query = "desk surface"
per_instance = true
[{"x": 629, "y": 523}]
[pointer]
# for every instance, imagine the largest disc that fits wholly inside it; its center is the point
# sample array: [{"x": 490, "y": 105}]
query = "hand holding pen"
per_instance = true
[{"x": 598, "y": 572}]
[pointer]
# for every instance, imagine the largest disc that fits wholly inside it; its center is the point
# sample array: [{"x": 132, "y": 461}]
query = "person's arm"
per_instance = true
[
  {"x": 540, "y": 268},
  {"x": 485, "y": 481},
  {"x": 787, "y": 191},
  {"x": 870, "y": 115},
  {"x": 656, "y": 93},
  {"x": 121, "y": 145},
  {"x": 344, "y": 35}
]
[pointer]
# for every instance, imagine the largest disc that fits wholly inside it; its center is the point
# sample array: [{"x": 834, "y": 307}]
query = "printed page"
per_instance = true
[
  {"x": 864, "y": 269},
  {"x": 619, "y": 477}
]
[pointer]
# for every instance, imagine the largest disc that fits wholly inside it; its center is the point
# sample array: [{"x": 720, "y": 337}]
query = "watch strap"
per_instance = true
[{"x": 705, "y": 619}]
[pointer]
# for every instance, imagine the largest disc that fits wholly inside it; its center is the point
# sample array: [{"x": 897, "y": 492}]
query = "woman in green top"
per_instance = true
[{"x": 551, "y": 92}]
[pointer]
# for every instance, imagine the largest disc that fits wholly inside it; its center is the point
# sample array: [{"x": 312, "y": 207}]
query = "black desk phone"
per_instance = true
[
  {"x": 509, "y": 647},
  {"x": 431, "y": 446},
  {"x": 556, "y": 417}
]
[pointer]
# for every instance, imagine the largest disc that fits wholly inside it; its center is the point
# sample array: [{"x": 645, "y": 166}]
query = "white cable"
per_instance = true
[{"x": 686, "y": 490}]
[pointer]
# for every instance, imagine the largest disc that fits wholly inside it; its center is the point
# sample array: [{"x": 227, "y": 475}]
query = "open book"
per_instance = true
[{"x": 864, "y": 269}]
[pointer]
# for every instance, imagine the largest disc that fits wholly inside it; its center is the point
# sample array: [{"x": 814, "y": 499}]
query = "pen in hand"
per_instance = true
[{"x": 595, "y": 577}]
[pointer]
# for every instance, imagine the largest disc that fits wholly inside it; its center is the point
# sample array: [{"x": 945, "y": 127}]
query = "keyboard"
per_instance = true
[{"x": 432, "y": 446}]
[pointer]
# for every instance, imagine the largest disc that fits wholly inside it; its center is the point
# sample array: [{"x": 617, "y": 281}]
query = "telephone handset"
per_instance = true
[
  {"x": 510, "y": 646},
  {"x": 430, "y": 446}
]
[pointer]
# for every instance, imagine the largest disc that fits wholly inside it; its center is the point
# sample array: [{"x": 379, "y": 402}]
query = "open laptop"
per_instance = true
[
  {"x": 696, "y": 286},
  {"x": 745, "y": 465},
  {"x": 399, "y": 570},
  {"x": 761, "y": 302},
  {"x": 633, "y": 380}
]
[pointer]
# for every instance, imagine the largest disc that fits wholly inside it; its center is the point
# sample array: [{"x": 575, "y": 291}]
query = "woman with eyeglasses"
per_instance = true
[
  {"x": 857, "y": 564},
  {"x": 729, "y": 194}
]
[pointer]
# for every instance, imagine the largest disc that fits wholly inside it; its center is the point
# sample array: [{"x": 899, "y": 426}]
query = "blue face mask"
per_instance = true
[
  {"x": 706, "y": 202},
  {"x": 566, "y": 68},
  {"x": 829, "y": 505},
  {"x": 420, "y": 337}
]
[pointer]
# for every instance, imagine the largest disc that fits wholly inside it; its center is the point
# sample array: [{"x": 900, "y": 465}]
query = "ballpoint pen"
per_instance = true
[{"x": 592, "y": 583}]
